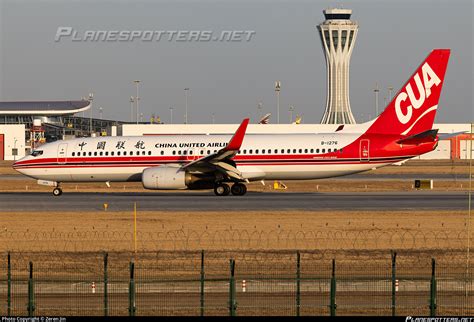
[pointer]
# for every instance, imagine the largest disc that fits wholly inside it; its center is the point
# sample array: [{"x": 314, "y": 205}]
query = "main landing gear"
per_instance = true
[
  {"x": 57, "y": 191},
  {"x": 222, "y": 189}
]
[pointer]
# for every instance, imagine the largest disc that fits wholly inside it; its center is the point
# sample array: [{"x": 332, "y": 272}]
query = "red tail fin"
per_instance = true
[{"x": 414, "y": 107}]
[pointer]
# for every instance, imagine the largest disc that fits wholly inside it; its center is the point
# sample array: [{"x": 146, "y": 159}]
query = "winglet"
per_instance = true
[{"x": 238, "y": 138}]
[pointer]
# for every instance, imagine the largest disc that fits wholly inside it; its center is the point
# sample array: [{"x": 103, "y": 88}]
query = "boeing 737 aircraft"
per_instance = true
[{"x": 402, "y": 131}]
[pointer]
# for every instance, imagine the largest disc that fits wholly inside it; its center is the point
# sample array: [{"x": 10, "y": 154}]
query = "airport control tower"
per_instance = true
[{"x": 338, "y": 34}]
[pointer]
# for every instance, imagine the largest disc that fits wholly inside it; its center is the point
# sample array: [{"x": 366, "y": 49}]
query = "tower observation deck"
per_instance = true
[{"x": 338, "y": 34}]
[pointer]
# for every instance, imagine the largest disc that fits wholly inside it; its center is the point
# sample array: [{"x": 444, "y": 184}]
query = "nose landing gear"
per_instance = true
[{"x": 57, "y": 191}]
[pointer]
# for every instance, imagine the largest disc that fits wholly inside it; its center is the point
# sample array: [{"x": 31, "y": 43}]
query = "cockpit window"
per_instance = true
[{"x": 35, "y": 153}]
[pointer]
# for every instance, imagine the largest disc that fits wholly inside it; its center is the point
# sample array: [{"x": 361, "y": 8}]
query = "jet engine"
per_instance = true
[{"x": 172, "y": 178}]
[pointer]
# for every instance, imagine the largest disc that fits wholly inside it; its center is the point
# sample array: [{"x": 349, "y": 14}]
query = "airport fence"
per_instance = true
[
  {"x": 237, "y": 283},
  {"x": 233, "y": 239}
]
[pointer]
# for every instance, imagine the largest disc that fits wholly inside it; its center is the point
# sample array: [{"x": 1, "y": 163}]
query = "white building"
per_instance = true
[
  {"x": 12, "y": 141},
  {"x": 338, "y": 34}
]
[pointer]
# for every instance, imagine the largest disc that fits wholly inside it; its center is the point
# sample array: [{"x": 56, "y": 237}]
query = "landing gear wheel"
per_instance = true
[
  {"x": 221, "y": 189},
  {"x": 239, "y": 189},
  {"x": 57, "y": 192}
]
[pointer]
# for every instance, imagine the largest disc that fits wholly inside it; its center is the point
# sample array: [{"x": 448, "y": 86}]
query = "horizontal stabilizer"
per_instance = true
[{"x": 423, "y": 137}]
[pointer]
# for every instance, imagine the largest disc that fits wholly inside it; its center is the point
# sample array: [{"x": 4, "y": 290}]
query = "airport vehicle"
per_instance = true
[{"x": 402, "y": 131}]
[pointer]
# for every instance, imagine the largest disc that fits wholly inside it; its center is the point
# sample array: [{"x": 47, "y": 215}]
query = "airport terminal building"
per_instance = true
[{"x": 25, "y": 125}]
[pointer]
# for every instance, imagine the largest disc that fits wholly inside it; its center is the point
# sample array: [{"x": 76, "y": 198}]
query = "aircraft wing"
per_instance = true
[{"x": 221, "y": 161}]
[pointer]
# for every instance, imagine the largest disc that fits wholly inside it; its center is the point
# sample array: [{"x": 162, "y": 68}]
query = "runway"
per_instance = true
[{"x": 206, "y": 200}]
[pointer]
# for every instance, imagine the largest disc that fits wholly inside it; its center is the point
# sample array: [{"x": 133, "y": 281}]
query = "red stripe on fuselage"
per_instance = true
[{"x": 148, "y": 162}]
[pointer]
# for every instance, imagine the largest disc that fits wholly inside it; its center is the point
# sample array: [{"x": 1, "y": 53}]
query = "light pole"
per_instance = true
[
  {"x": 137, "y": 98},
  {"x": 186, "y": 102},
  {"x": 469, "y": 196},
  {"x": 277, "y": 90},
  {"x": 91, "y": 98},
  {"x": 390, "y": 89},
  {"x": 132, "y": 100},
  {"x": 376, "y": 92},
  {"x": 171, "y": 115},
  {"x": 259, "y": 110},
  {"x": 291, "y": 109}
]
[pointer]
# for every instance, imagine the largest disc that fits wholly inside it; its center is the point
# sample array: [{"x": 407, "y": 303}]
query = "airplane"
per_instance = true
[{"x": 402, "y": 131}]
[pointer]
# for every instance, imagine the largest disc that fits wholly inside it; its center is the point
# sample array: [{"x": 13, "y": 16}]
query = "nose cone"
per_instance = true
[{"x": 18, "y": 165}]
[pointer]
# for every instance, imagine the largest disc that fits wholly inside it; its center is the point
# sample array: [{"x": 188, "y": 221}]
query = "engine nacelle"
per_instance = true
[{"x": 165, "y": 178}]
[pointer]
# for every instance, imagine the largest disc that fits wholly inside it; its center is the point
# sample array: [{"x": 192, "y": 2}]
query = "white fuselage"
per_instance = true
[{"x": 293, "y": 156}]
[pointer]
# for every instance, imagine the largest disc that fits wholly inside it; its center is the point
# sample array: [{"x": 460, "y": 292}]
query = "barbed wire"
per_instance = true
[
  {"x": 233, "y": 239},
  {"x": 277, "y": 262}
]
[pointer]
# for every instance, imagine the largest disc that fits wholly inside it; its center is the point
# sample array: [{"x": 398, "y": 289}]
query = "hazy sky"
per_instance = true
[{"x": 229, "y": 78}]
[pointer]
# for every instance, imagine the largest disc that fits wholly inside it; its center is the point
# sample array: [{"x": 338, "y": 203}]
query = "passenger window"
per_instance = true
[
  {"x": 324, "y": 150},
  {"x": 317, "y": 150},
  {"x": 179, "y": 152},
  {"x": 208, "y": 152},
  {"x": 101, "y": 153},
  {"x": 149, "y": 152},
  {"x": 245, "y": 151},
  {"x": 174, "y": 152},
  {"x": 299, "y": 151},
  {"x": 112, "y": 153},
  {"x": 202, "y": 152},
  {"x": 288, "y": 151},
  {"x": 90, "y": 153},
  {"x": 162, "y": 152},
  {"x": 184, "y": 152},
  {"x": 276, "y": 151},
  {"x": 263, "y": 151},
  {"x": 124, "y": 152},
  {"x": 282, "y": 151},
  {"x": 311, "y": 151},
  {"x": 143, "y": 152},
  {"x": 190, "y": 152},
  {"x": 250, "y": 151},
  {"x": 305, "y": 150},
  {"x": 73, "y": 154},
  {"x": 256, "y": 151},
  {"x": 294, "y": 150},
  {"x": 118, "y": 153}
]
